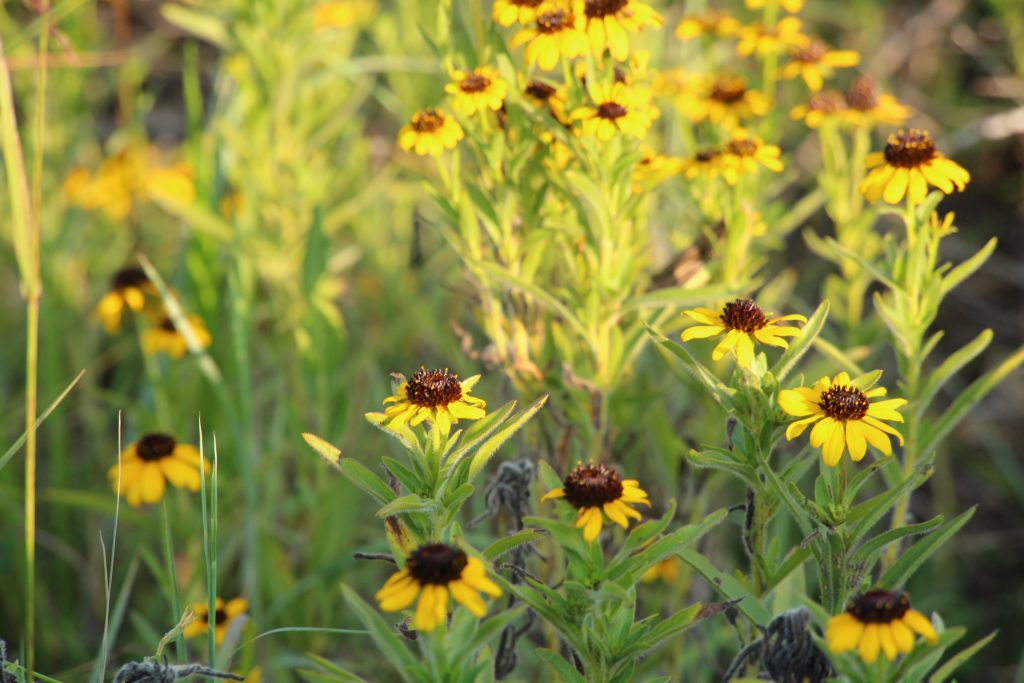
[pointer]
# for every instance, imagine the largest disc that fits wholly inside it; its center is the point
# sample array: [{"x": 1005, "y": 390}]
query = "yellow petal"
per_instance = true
[
  {"x": 902, "y": 636},
  {"x": 869, "y": 643},
  {"x": 919, "y": 623},
  {"x": 465, "y": 595},
  {"x": 843, "y": 633},
  {"x": 885, "y": 639}
]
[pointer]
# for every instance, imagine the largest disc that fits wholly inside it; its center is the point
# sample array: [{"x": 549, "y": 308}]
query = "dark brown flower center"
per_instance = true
[
  {"x": 474, "y": 83},
  {"x": 862, "y": 94},
  {"x": 743, "y": 315},
  {"x": 427, "y": 121},
  {"x": 539, "y": 90},
  {"x": 155, "y": 446},
  {"x": 526, "y": 3},
  {"x": 595, "y": 9},
  {"x": 554, "y": 21},
  {"x": 592, "y": 486},
  {"x": 705, "y": 156},
  {"x": 742, "y": 147},
  {"x": 728, "y": 90},
  {"x": 878, "y": 606},
  {"x": 828, "y": 102},
  {"x": 843, "y": 403},
  {"x": 167, "y": 325},
  {"x": 909, "y": 149},
  {"x": 128, "y": 277},
  {"x": 432, "y": 388},
  {"x": 436, "y": 564},
  {"x": 810, "y": 53},
  {"x": 610, "y": 110}
]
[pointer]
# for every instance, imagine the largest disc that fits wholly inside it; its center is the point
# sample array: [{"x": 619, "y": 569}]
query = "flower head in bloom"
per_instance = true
[
  {"x": 435, "y": 395},
  {"x": 878, "y": 620},
  {"x": 432, "y": 572},
  {"x": 557, "y": 31},
  {"x": 342, "y": 14},
  {"x": 907, "y": 166},
  {"x": 743, "y": 323},
  {"x": 608, "y": 24},
  {"x": 224, "y": 614},
  {"x": 615, "y": 109},
  {"x": 768, "y": 40},
  {"x": 508, "y": 12},
  {"x": 791, "y": 6},
  {"x": 745, "y": 154},
  {"x": 128, "y": 290},
  {"x": 814, "y": 62},
  {"x": 706, "y": 163},
  {"x": 821, "y": 107},
  {"x": 430, "y": 132},
  {"x": 548, "y": 96},
  {"x": 152, "y": 461},
  {"x": 866, "y": 106},
  {"x": 654, "y": 168},
  {"x": 164, "y": 337},
  {"x": 477, "y": 90},
  {"x": 843, "y": 415},
  {"x": 725, "y": 101},
  {"x": 713, "y": 23},
  {"x": 598, "y": 491}
]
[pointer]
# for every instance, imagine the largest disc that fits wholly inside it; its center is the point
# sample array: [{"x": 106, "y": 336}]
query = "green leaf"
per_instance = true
[
  {"x": 314, "y": 262},
  {"x": 950, "y": 367},
  {"x": 200, "y": 24},
  {"x": 504, "y": 545},
  {"x": 954, "y": 663},
  {"x": 487, "y": 448},
  {"x": 727, "y": 585},
  {"x": 640, "y": 534},
  {"x": 339, "y": 673},
  {"x": 963, "y": 404},
  {"x": 799, "y": 345},
  {"x": 363, "y": 478},
  {"x": 541, "y": 295},
  {"x": 405, "y": 476},
  {"x": 9, "y": 453},
  {"x": 325, "y": 449},
  {"x": 409, "y": 503},
  {"x": 901, "y": 570},
  {"x": 384, "y": 637},
  {"x": 719, "y": 391},
  {"x": 968, "y": 267},
  {"x": 869, "y": 551},
  {"x": 711, "y": 460},
  {"x": 671, "y": 627},
  {"x": 633, "y": 567},
  {"x": 561, "y": 667},
  {"x": 874, "y": 270},
  {"x": 479, "y": 431},
  {"x": 865, "y": 515}
]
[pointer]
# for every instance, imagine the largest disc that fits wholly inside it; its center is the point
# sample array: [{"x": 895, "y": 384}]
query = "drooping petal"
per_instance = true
[
  {"x": 920, "y": 624},
  {"x": 797, "y": 428},
  {"x": 554, "y": 493},
  {"x": 463, "y": 594}
]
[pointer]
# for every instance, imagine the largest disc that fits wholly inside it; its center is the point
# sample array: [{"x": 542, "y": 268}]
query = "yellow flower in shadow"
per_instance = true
[
  {"x": 224, "y": 614},
  {"x": 164, "y": 337}
]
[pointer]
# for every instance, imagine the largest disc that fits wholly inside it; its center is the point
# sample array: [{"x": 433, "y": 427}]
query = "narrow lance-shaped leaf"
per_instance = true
[
  {"x": 487, "y": 449},
  {"x": 964, "y": 270},
  {"x": 912, "y": 558},
  {"x": 799, "y": 345},
  {"x": 949, "y": 367}
]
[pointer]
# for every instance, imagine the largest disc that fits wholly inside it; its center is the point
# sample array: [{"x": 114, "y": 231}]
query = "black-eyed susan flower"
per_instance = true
[
  {"x": 342, "y": 13},
  {"x": 128, "y": 291},
  {"x": 706, "y": 163},
  {"x": 608, "y": 24},
  {"x": 598, "y": 491},
  {"x": 907, "y": 166},
  {"x": 430, "y": 132},
  {"x": 654, "y": 168},
  {"x": 745, "y": 154},
  {"x": 548, "y": 96},
  {"x": 433, "y": 572},
  {"x": 508, "y": 12},
  {"x": 224, "y": 614},
  {"x": 715, "y": 23},
  {"x": 164, "y": 337},
  {"x": 813, "y": 61},
  {"x": 152, "y": 461},
  {"x": 481, "y": 89},
  {"x": 743, "y": 323},
  {"x": 616, "y": 109},
  {"x": 866, "y": 106},
  {"x": 768, "y": 40},
  {"x": 791, "y": 6},
  {"x": 725, "y": 101},
  {"x": 822, "y": 106},
  {"x": 437, "y": 396},
  {"x": 878, "y": 620},
  {"x": 557, "y": 32},
  {"x": 843, "y": 415}
]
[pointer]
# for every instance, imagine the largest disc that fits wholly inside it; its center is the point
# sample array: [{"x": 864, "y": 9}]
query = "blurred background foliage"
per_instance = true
[{"x": 317, "y": 260}]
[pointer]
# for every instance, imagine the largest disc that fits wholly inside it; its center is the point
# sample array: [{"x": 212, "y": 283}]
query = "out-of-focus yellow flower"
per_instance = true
[
  {"x": 616, "y": 109},
  {"x": 667, "y": 570},
  {"x": 481, "y": 89},
  {"x": 907, "y": 166},
  {"x": 767, "y": 40},
  {"x": 724, "y": 101},
  {"x": 128, "y": 291},
  {"x": 821, "y": 107},
  {"x": 557, "y": 32},
  {"x": 878, "y": 620},
  {"x": 744, "y": 324},
  {"x": 508, "y": 12},
  {"x": 814, "y": 62},
  {"x": 717, "y": 24},
  {"x": 223, "y": 616},
  {"x": 550, "y": 97},
  {"x": 598, "y": 491},
  {"x": 133, "y": 176},
  {"x": 433, "y": 573},
  {"x": 608, "y": 24},
  {"x": 559, "y": 155},
  {"x": 866, "y": 106},
  {"x": 230, "y": 205},
  {"x": 164, "y": 337},
  {"x": 343, "y": 14},
  {"x": 148, "y": 464},
  {"x": 707, "y": 163},
  {"x": 745, "y": 154},
  {"x": 792, "y": 6},
  {"x": 430, "y": 132},
  {"x": 654, "y": 168}
]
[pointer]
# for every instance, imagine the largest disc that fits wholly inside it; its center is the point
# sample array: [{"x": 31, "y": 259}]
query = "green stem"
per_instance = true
[{"x": 172, "y": 576}]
